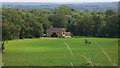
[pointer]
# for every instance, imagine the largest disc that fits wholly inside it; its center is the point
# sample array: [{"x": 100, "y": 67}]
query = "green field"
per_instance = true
[{"x": 61, "y": 52}]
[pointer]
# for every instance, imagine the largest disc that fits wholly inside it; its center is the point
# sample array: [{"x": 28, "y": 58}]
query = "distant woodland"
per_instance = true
[{"x": 20, "y": 24}]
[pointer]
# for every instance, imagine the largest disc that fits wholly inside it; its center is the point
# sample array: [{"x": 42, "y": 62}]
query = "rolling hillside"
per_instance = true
[{"x": 51, "y": 6}]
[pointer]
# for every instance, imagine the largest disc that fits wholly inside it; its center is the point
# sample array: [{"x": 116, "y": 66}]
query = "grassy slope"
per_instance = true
[{"x": 53, "y": 52}]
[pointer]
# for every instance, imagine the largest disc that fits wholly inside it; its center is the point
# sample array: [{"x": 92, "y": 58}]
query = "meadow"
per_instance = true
[{"x": 61, "y": 52}]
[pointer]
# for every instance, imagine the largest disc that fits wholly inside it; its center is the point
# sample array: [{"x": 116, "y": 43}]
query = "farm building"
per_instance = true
[
  {"x": 58, "y": 32},
  {"x": 68, "y": 34}
]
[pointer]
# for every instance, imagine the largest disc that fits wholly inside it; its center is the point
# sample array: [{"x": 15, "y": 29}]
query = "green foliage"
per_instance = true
[{"x": 34, "y": 23}]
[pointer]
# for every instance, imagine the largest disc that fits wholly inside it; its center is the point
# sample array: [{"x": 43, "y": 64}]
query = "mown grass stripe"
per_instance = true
[
  {"x": 71, "y": 63},
  {"x": 88, "y": 60},
  {"x": 68, "y": 48},
  {"x": 105, "y": 53}
]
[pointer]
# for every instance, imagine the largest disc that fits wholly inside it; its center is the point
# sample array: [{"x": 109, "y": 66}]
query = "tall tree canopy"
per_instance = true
[{"x": 34, "y": 23}]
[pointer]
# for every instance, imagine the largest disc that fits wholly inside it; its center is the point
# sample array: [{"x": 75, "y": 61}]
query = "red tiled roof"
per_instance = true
[{"x": 57, "y": 30}]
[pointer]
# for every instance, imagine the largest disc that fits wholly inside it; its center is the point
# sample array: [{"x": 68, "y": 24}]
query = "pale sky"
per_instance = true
[{"x": 59, "y": 0}]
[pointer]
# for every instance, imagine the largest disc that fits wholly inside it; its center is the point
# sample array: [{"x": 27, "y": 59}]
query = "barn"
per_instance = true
[{"x": 58, "y": 32}]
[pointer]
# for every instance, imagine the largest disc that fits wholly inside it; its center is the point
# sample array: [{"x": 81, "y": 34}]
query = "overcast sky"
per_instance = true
[{"x": 60, "y": 1}]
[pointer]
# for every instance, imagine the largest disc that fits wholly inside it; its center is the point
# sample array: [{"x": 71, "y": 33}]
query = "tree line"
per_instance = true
[{"x": 34, "y": 23}]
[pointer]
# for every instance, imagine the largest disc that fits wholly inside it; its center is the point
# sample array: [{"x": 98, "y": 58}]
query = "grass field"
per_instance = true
[{"x": 61, "y": 52}]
